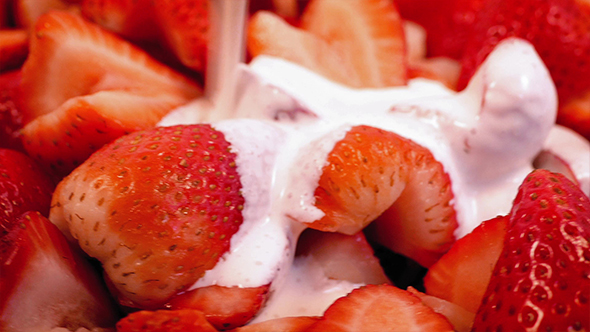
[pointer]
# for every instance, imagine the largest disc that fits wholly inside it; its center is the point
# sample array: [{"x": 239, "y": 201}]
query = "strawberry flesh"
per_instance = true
[{"x": 11, "y": 118}]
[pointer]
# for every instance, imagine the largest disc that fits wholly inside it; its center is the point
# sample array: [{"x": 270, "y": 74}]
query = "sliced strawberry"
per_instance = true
[
  {"x": 575, "y": 114},
  {"x": 23, "y": 187},
  {"x": 158, "y": 208},
  {"x": 372, "y": 38},
  {"x": 11, "y": 118},
  {"x": 290, "y": 324},
  {"x": 342, "y": 257},
  {"x": 185, "y": 25},
  {"x": 371, "y": 169},
  {"x": 13, "y": 48},
  {"x": 133, "y": 19},
  {"x": 64, "y": 138},
  {"x": 380, "y": 308},
  {"x": 46, "y": 284},
  {"x": 463, "y": 273},
  {"x": 224, "y": 307},
  {"x": 461, "y": 319},
  {"x": 165, "y": 321},
  {"x": 442, "y": 69},
  {"x": 542, "y": 279},
  {"x": 28, "y": 11},
  {"x": 269, "y": 34}
]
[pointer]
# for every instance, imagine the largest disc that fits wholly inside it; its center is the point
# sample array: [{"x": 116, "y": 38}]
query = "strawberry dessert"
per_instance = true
[{"x": 194, "y": 165}]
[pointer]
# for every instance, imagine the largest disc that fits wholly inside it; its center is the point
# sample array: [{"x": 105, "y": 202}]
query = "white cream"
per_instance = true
[{"x": 287, "y": 120}]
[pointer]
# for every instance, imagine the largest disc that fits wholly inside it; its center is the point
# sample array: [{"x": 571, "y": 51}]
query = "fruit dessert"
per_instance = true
[{"x": 257, "y": 203}]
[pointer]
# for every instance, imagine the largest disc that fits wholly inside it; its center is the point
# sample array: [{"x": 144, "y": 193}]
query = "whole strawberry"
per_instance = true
[
  {"x": 541, "y": 281},
  {"x": 158, "y": 208}
]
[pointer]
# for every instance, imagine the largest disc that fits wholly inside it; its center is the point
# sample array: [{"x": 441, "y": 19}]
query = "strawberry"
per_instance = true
[
  {"x": 23, "y": 186},
  {"x": 13, "y": 48},
  {"x": 463, "y": 273},
  {"x": 165, "y": 321},
  {"x": 460, "y": 318},
  {"x": 185, "y": 25},
  {"x": 291, "y": 324},
  {"x": 575, "y": 114},
  {"x": 541, "y": 281},
  {"x": 558, "y": 29},
  {"x": 157, "y": 207},
  {"x": 342, "y": 257},
  {"x": 371, "y": 169},
  {"x": 103, "y": 84},
  {"x": 11, "y": 118},
  {"x": 28, "y": 11},
  {"x": 224, "y": 307},
  {"x": 380, "y": 308},
  {"x": 45, "y": 283},
  {"x": 132, "y": 19}
]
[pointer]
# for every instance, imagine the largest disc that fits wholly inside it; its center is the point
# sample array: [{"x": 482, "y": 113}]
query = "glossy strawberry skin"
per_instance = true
[
  {"x": 24, "y": 186},
  {"x": 542, "y": 278}
]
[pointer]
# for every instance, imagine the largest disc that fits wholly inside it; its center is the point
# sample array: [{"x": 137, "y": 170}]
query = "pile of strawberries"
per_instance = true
[{"x": 106, "y": 221}]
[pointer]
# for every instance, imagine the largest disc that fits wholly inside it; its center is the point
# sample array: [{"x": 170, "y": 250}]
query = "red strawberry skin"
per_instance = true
[
  {"x": 186, "y": 320},
  {"x": 541, "y": 281},
  {"x": 11, "y": 118},
  {"x": 23, "y": 186}
]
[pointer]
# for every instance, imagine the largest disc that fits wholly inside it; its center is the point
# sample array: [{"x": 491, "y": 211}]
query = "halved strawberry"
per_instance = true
[
  {"x": 380, "y": 308},
  {"x": 372, "y": 37},
  {"x": 373, "y": 172},
  {"x": 23, "y": 187},
  {"x": 290, "y": 324},
  {"x": 13, "y": 48},
  {"x": 165, "y": 321},
  {"x": 342, "y": 257},
  {"x": 224, "y": 307},
  {"x": 541, "y": 282},
  {"x": 46, "y": 284},
  {"x": 460, "y": 318},
  {"x": 575, "y": 114},
  {"x": 158, "y": 208},
  {"x": 27, "y": 12},
  {"x": 185, "y": 25},
  {"x": 70, "y": 57},
  {"x": 463, "y": 273},
  {"x": 11, "y": 118}
]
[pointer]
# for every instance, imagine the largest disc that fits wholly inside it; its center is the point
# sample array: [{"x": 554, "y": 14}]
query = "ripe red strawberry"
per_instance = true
[
  {"x": 541, "y": 281},
  {"x": 460, "y": 318},
  {"x": 186, "y": 320},
  {"x": 575, "y": 114},
  {"x": 11, "y": 118},
  {"x": 106, "y": 87},
  {"x": 13, "y": 48},
  {"x": 133, "y": 19},
  {"x": 380, "y": 308},
  {"x": 373, "y": 172},
  {"x": 185, "y": 25},
  {"x": 158, "y": 208},
  {"x": 23, "y": 187},
  {"x": 559, "y": 30},
  {"x": 27, "y": 12},
  {"x": 224, "y": 307},
  {"x": 342, "y": 257},
  {"x": 45, "y": 283},
  {"x": 291, "y": 324},
  {"x": 463, "y": 273}
]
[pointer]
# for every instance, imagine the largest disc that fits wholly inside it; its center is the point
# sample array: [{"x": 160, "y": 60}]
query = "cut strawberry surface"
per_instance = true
[
  {"x": 23, "y": 187},
  {"x": 541, "y": 281},
  {"x": 372, "y": 38},
  {"x": 291, "y": 324},
  {"x": 132, "y": 19},
  {"x": 223, "y": 307},
  {"x": 13, "y": 48},
  {"x": 186, "y": 320},
  {"x": 28, "y": 11},
  {"x": 11, "y": 118},
  {"x": 157, "y": 208},
  {"x": 575, "y": 114},
  {"x": 46, "y": 284},
  {"x": 372, "y": 171},
  {"x": 461, "y": 319},
  {"x": 463, "y": 273},
  {"x": 380, "y": 308}
]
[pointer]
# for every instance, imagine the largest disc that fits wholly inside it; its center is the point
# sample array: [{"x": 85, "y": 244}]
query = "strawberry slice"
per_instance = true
[
  {"x": 291, "y": 324},
  {"x": 11, "y": 118},
  {"x": 158, "y": 208},
  {"x": 541, "y": 281},
  {"x": 461, "y": 319},
  {"x": 185, "y": 25},
  {"x": 45, "y": 283},
  {"x": 27, "y": 12},
  {"x": 112, "y": 79},
  {"x": 575, "y": 114},
  {"x": 373, "y": 37},
  {"x": 380, "y": 308},
  {"x": 463, "y": 273},
  {"x": 224, "y": 307},
  {"x": 165, "y": 321},
  {"x": 371, "y": 172},
  {"x": 13, "y": 48},
  {"x": 24, "y": 186}
]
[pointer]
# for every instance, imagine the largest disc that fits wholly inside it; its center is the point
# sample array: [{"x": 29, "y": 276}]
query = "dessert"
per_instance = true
[{"x": 207, "y": 215}]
